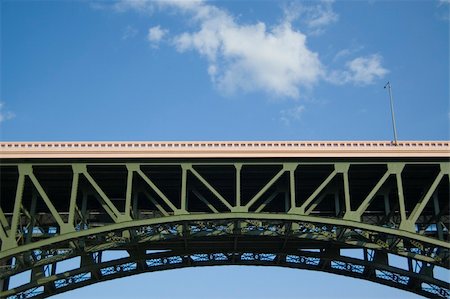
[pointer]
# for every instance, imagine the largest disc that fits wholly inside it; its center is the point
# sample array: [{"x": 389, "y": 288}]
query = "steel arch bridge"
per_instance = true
[{"x": 65, "y": 206}]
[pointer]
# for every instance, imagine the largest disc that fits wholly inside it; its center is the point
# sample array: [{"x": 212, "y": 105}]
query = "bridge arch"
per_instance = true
[
  {"x": 185, "y": 241},
  {"x": 288, "y": 211}
]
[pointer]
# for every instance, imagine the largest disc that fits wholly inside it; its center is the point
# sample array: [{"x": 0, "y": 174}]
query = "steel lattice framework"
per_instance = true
[{"x": 65, "y": 207}]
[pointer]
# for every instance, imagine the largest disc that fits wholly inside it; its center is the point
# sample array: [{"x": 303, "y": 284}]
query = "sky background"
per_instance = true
[{"x": 225, "y": 70}]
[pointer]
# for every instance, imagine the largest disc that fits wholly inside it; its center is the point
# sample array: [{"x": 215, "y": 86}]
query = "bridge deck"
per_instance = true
[{"x": 229, "y": 149}]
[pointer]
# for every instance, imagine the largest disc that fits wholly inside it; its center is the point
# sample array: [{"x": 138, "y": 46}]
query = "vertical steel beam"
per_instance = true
[
  {"x": 292, "y": 188},
  {"x": 135, "y": 205},
  {"x": 337, "y": 205},
  {"x": 73, "y": 198},
  {"x": 238, "y": 167},
  {"x": 387, "y": 206},
  {"x": 11, "y": 241},
  {"x": 344, "y": 170},
  {"x": 128, "y": 191},
  {"x": 184, "y": 203},
  {"x": 401, "y": 198},
  {"x": 32, "y": 220},
  {"x": 437, "y": 213}
]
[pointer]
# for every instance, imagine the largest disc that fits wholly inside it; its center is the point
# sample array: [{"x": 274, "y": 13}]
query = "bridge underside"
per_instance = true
[{"x": 165, "y": 214}]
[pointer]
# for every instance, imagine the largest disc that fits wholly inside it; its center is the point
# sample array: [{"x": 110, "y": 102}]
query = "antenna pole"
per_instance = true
[{"x": 388, "y": 84}]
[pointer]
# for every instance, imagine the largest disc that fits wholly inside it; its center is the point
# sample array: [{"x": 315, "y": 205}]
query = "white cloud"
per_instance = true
[
  {"x": 150, "y": 6},
  {"x": 360, "y": 71},
  {"x": 292, "y": 114},
  {"x": 129, "y": 32},
  {"x": 255, "y": 56},
  {"x": 365, "y": 70},
  {"x": 156, "y": 34},
  {"x": 143, "y": 6},
  {"x": 251, "y": 57},
  {"x": 315, "y": 17},
  {"x": 5, "y": 115},
  {"x": 347, "y": 52}
]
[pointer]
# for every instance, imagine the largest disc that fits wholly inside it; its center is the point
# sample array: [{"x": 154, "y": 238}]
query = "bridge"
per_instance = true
[{"x": 169, "y": 205}]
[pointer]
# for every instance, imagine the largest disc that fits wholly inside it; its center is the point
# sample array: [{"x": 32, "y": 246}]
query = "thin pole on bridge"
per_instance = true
[{"x": 388, "y": 84}]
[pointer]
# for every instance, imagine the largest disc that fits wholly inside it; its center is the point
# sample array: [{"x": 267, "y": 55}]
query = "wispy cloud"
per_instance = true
[
  {"x": 287, "y": 116},
  {"x": 129, "y": 32},
  {"x": 156, "y": 34},
  {"x": 5, "y": 115},
  {"x": 272, "y": 58},
  {"x": 340, "y": 55},
  {"x": 143, "y": 6},
  {"x": 444, "y": 14},
  {"x": 360, "y": 71},
  {"x": 315, "y": 17}
]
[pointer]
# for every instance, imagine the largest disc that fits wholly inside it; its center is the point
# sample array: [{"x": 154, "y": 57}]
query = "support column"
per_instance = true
[
  {"x": 238, "y": 207},
  {"x": 184, "y": 203},
  {"x": 337, "y": 205},
  {"x": 437, "y": 212}
]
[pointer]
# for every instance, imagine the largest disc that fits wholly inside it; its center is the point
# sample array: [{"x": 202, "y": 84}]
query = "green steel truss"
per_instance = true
[{"x": 61, "y": 222}]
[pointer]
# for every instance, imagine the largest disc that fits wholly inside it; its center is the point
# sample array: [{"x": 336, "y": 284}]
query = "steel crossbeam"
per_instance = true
[{"x": 292, "y": 212}]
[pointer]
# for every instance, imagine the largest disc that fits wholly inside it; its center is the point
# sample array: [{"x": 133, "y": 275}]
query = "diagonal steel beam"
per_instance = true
[
  {"x": 265, "y": 188},
  {"x": 106, "y": 203},
  {"x": 63, "y": 226},
  {"x": 319, "y": 189},
  {"x": 3, "y": 227},
  {"x": 267, "y": 201},
  {"x": 157, "y": 205},
  {"x": 425, "y": 199},
  {"x": 3, "y": 235},
  {"x": 157, "y": 190},
  {"x": 409, "y": 223},
  {"x": 211, "y": 188},
  {"x": 205, "y": 201},
  {"x": 315, "y": 203},
  {"x": 3, "y": 221},
  {"x": 355, "y": 215}
]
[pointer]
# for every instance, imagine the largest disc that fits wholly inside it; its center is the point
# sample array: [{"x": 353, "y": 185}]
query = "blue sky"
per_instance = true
[
  {"x": 240, "y": 70},
  {"x": 225, "y": 70}
]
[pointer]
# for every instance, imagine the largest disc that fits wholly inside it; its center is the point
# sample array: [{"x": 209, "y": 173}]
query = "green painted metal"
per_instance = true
[{"x": 378, "y": 207}]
